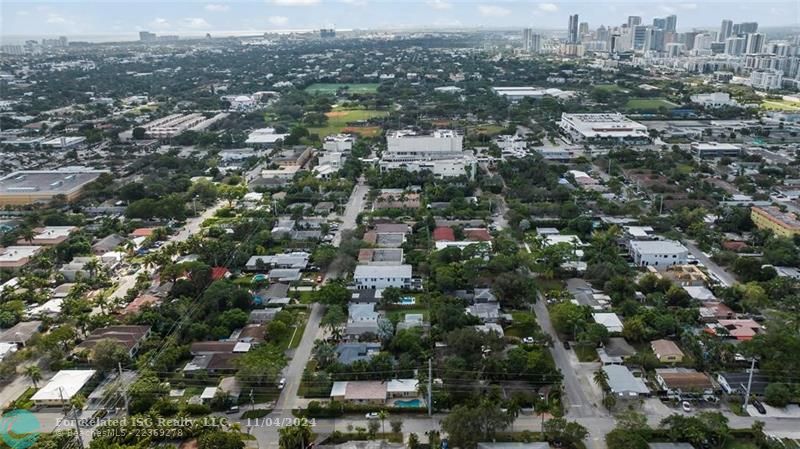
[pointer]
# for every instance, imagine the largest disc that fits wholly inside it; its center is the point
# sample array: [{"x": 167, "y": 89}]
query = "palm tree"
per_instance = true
[
  {"x": 601, "y": 380},
  {"x": 34, "y": 373},
  {"x": 382, "y": 415}
]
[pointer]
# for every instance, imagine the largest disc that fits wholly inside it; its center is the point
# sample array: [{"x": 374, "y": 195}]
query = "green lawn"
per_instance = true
[
  {"x": 585, "y": 353},
  {"x": 648, "y": 104},
  {"x": 338, "y": 119},
  {"x": 739, "y": 444},
  {"x": 780, "y": 105},
  {"x": 488, "y": 129},
  {"x": 609, "y": 88},
  {"x": 298, "y": 336},
  {"x": 332, "y": 88},
  {"x": 399, "y": 314}
]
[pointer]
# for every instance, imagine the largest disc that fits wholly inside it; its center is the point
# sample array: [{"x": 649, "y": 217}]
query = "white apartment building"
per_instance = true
[
  {"x": 341, "y": 143},
  {"x": 658, "y": 253},
  {"x": 382, "y": 276},
  {"x": 766, "y": 79}
]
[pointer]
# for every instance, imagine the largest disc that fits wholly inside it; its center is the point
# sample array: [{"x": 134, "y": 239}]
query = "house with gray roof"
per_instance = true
[
  {"x": 362, "y": 319},
  {"x": 623, "y": 383},
  {"x": 348, "y": 353}
]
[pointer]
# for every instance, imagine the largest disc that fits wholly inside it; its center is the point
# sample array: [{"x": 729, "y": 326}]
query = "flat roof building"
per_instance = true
[
  {"x": 658, "y": 253},
  {"x": 382, "y": 276},
  {"x": 49, "y": 235},
  {"x": 62, "y": 387},
  {"x": 608, "y": 129},
  {"x": 40, "y": 186},
  {"x": 784, "y": 224},
  {"x": 15, "y": 257},
  {"x": 715, "y": 149}
]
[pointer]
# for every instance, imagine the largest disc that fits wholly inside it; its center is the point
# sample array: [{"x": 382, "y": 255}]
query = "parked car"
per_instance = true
[
  {"x": 759, "y": 406},
  {"x": 233, "y": 410},
  {"x": 319, "y": 279},
  {"x": 372, "y": 415},
  {"x": 281, "y": 383},
  {"x": 528, "y": 340},
  {"x": 687, "y": 407},
  {"x": 566, "y": 345}
]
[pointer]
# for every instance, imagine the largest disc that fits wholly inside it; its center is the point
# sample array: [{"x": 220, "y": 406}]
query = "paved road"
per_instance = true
[
  {"x": 354, "y": 207},
  {"x": 724, "y": 277},
  {"x": 267, "y": 435}
]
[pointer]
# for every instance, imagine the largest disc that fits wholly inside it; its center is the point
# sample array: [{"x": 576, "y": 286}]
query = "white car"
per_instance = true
[
  {"x": 686, "y": 407},
  {"x": 527, "y": 340},
  {"x": 281, "y": 383},
  {"x": 372, "y": 415}
]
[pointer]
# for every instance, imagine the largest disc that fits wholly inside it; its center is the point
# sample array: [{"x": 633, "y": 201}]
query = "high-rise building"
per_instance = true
[
  {"x": 531, "y": 42},
  {"x": 146, "y": 36},
  {"x": 687, "y": 39},
  {"x": 702, "y": 43},
  {"x": 634, "y": 21},
  {"x": 672, "y": 23},
  {"x": 640, "y": 37},
  {"x": 327, "y": 33},
  {"x": 755, "y": 42},
  {"x": 725, "y": 30},
  {"x": 659, "y": 22},
  {"x": 735, "y": 46},
  {"x": 572, "y": 31},
  {"x": 583, "y": 28},
  {"x": 745, "y": 28}
]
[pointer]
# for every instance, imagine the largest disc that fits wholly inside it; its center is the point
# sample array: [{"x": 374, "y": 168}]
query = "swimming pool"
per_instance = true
[
  {"x": 412, "y": 403},
  {"x": 407, "y": 301},
  {"x": 259, "y": 278}
]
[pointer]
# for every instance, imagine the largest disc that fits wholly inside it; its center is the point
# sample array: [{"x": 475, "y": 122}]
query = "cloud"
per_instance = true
[
  {"x": 55, "y": 19},
  {"x": 548, "y": 7},
  {"x": 355, "y": 2},
  {"x": 278, "y": 20},
  {"x": 439, "y": 4},
  {"x": 160, "y": 23},
  {"x": 667, "y": 9},
  {"x": 213, "y": 7},
  {"x": 688, "y": 6},
  {"x": 295, "y": 2},
  {"x": 493, "y": 11},
  {"x": 195, "y": 23}
]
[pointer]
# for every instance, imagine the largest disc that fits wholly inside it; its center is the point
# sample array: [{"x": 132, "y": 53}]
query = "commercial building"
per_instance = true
[
  {"x": 714, "y": 100},
  {"x": 715, "y": 149},
  {"x": 264, "y": 138},
  {"x": 658, "y": 253},
  {"x": 608, "y": 129},
  {"x": 41, "y": 186},
  {"x": 64, "y": 143},
  {"x": 440, "y": 152},
  {"x": 62, "y": 387},
  {"x": 520, "y": 92},
  {"x": 382, "y": 276},
  {"x": 784, "y": 224}
]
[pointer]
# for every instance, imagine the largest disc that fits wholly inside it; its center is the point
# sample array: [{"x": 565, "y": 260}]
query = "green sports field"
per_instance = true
[
  {"x": 339, "y": 118},
  {"x": 649, "y": 104},
  {"x": 332, "y": 88}
]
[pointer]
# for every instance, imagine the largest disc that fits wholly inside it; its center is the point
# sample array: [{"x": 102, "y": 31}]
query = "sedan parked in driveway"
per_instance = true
[
  {"x": 372, "y": 415},
  {"x": 686, "y": 407}
]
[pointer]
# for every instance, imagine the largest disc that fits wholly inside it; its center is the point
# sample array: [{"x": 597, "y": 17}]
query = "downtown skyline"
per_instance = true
[{"x": 116, "y": 19}]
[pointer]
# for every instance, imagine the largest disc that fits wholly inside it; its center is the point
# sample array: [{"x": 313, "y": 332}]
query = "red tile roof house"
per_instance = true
[
  {"x": 444, "y": 234},
  {"x": 218, "y": 273},
  {"x": 741, "y": 330},
  {"x": 143, "y": 232}
]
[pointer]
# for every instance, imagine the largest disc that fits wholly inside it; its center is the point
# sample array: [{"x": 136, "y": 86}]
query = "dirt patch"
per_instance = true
[
  {"x": 366, "y": 131},
  {"x": 334, "y": 114}
]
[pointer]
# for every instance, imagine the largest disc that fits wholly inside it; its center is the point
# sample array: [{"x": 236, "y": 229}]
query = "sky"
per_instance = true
[{"x": 192, "y": 17}]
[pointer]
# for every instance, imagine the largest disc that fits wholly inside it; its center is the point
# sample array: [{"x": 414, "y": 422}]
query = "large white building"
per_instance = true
[
  {"x": 766, "y": 79},
  {"x": 658, "y": 253},
  {"x": 342, "y": 143},
  {"x": 714, "y": 100},
  {"x": 611, "y": 128},
  {"x": 382, "y": 276},
  {"x": 441, "y": 152}
]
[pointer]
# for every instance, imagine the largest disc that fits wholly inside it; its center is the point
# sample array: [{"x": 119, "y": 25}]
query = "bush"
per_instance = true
[
  {"x": 257, "y": 413},
  {"x": 197, "y": 409},
  {"x": 777, "y": 395}
]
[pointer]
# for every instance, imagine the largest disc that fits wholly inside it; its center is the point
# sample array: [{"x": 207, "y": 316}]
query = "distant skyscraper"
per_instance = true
[
  {"x": 755, "y": 42},
  {"x": 531, "y": 42},
  {"x": 634, "y": 21},
  {"x": 725, "y": 30},
  {"x": 672, "y": 23},
  {"x": 640, "y": 37},
  {"x": 146, "y": 36},
  {"x": 327, "y": 33},
  {"x": 735, "y": 46},
  {"x": 572, "y": 32},
  {"x": 745, "y": 28},
  {"x": 660, "y": 23},
  {"x": 583, "y": 28}
]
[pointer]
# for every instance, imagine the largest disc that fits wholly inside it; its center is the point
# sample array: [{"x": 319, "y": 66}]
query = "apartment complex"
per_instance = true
[
  {"x": 784, "y": 224},
  {"x": 441, "y": 152}
]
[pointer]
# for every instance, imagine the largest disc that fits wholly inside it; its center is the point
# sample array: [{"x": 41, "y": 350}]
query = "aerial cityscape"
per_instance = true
[{"x": 353, "y": 224}]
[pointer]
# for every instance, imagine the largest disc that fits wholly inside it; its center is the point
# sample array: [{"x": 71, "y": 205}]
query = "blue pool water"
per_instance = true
[
  {"x": 413, "y": 403},
  {"x": 408, "y": 300}
]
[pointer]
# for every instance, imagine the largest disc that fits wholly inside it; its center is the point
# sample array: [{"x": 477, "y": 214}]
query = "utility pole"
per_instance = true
[
  {"x": 749, "y": 382},
  {"x": 74, "y": 417},
  {"x": 122, "y": 385},
  {"x": 430, "y": 387}
]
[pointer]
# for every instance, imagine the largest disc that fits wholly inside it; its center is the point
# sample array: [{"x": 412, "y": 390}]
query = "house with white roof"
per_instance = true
[
  {"x": 610, "y": 320},
  {"x": 62, "y": 387},
  {"x": 382, "y": 276}
]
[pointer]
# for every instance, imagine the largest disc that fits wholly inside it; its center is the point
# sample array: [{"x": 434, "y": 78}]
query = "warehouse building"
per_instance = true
[
  {"x": 41, "y": 186},
  {"x": 603, "y": 129}
]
